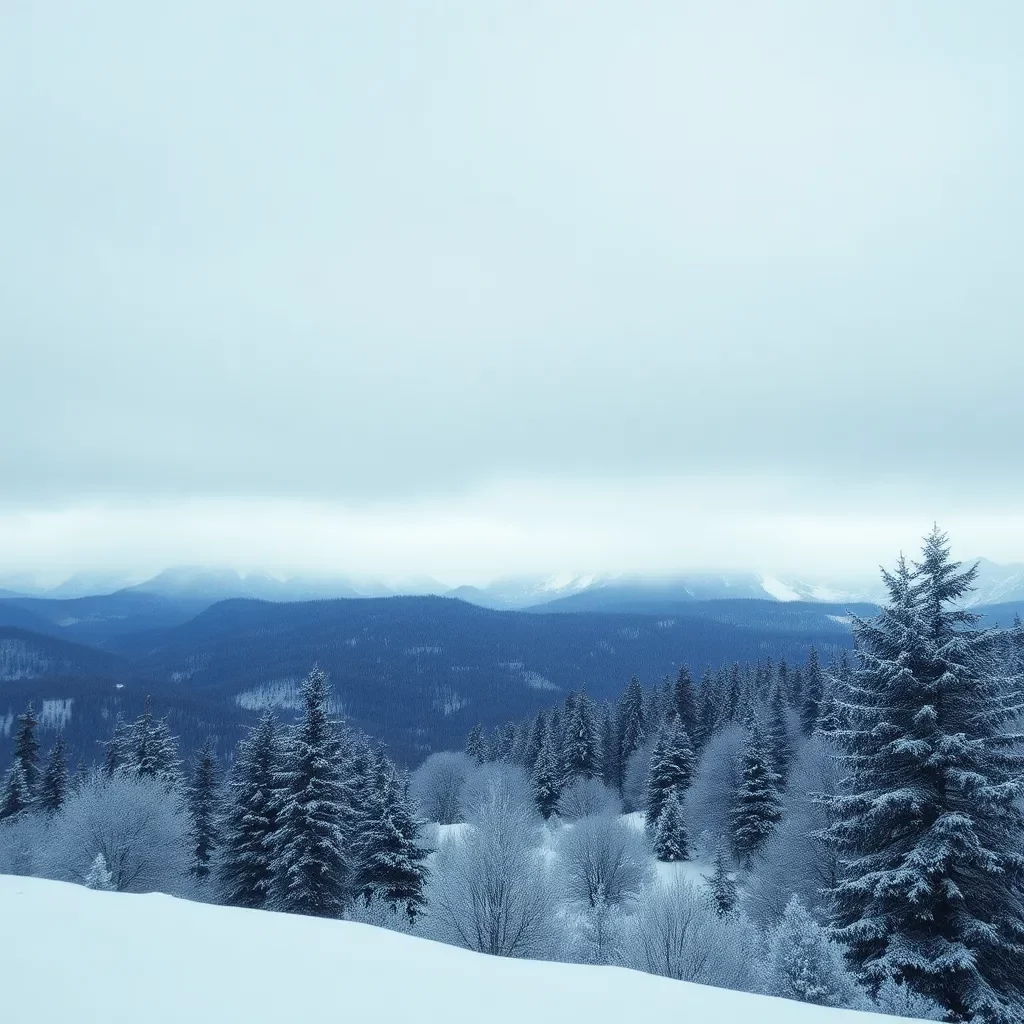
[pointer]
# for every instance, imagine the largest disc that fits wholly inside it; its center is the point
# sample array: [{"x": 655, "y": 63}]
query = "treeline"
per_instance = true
[{"x": 313, "y": 819}]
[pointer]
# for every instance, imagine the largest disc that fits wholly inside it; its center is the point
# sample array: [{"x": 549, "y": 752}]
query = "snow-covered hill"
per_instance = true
[{"x": 69, "y": 953}]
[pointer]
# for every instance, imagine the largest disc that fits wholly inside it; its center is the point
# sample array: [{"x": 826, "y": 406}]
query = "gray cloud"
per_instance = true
[{"x": 379, "y": 251}]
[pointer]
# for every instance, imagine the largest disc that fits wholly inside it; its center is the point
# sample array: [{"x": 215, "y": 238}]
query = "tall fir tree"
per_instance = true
[
  {"x": 151, "y": 751},
  {"x": 779, "y": 742},
  {"x": 672, "y": 767},
  {"x": 734, "y": 695},
  {"x": 26, "y": 749},
  {"x": 930, "y": 818},
  {"x": 708, "y": 713},
  {"x": 813, "y": 694},
  {"x": 684, "y": 701},
  {"x": 632, "y": 731},
  {"x": 250, "y": 828},
  {"x": 312, "y": 866},
  {"x": 546, "y": 777},
  {"x": 610, "y": 767},
  {"x": 391, "y": 861},
  {"x": 116, "y": 749},
  {"x": 204, "y": 811},
  {"x": 534, "y": 741},
  {"x": 757, "y": 803},
  {"x": 475, "y": 746},
  {"x": 670, "y": 839},
  {"x": 14, "y": 794},
  {"x": 581, "y": 751},
  {"x": 722, "y": 884},
  {"x": 53, "y": 785}
]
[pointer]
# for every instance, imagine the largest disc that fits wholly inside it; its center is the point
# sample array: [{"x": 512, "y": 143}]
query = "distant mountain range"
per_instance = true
[{"x": 178, "y": 593}]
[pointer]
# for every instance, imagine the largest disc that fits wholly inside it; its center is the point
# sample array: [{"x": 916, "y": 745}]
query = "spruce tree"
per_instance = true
[
  {"x": 581, "y": 752},
  {"x": 313, "y": 867},
  {"x": 99, "y": 876},
  {"x": 779, "y": 742},
  {"x": 734, "y": 695},
  {"x": 813, "y": 695},
  {"x": 757, "y": 804},
  {"x": 391, "y": 861},
  {"x": 670, "y": 839},
  {"x": 14, "y": 795},
  {"x": 804, "y": 963},
  {"x": 546, "y": 778},
  {"x": 610, "y": 767},
  {"x": 116, "y": 749},
  {"x": 684, "y": 701},
  {"x": 723, "y": 886},
  {"x": 26, "y": 749},
  {"x": 204, "y": 813},
  {"x": 534, "y": 741},
  {"x": 672, "y": 767},
  {"x": 53, "y": 785},
  {"x": 150, "y": 750},
  {"x": 930, "y": 820},
  {"x": 708, "y": 713},
  {"x": 475, "y": 746},
  {"x": 631, "y": 723},
  {"x": 250, "y": 828}
]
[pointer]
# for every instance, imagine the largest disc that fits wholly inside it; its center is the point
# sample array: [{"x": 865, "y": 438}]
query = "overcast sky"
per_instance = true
[{"x": 485, "y": 287}]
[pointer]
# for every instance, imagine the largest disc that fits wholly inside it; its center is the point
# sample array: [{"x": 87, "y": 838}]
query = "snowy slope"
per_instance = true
[{"x": 71, "y": 954}]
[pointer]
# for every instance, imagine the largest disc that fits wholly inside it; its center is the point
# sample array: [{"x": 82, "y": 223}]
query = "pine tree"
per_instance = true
[
  {"x": 814, "y": 693},
  {"x": 708, "y": 714},
  {"x": 117, "y": 747},
  {"x": 204, "y": 813},
  {"x": 14, "y": 797},
  {"x": 312, "y": 869},
  {"x": 723, "y": 886},
  {"x": 581, "y": 753},
  {"x": 684, "y": 701},
  {"x": 779, "y": 742},
  {"x": 53, "y": 785},
  {"x": 930, "y": 822},
  {"x": 546, "y": 778},
  {"x": 246, "y": 869},
  {"x": 475, "y": 746},
  {"x": 391, "y": 861},
  {"x": 26, "y": 750},
  {"x": 757, "y": 804},
  {"x": 534, "y": 741},
  {"x": 672, "y": 767},
  {"x": 632, "y": 730},
  {"x": 734, "y": 699},
  {"x": 148, "y": 749},
  {"x": 611, "y": 770},
  {"x": 99, "y": 877},
  {"x": 670, "y": 839},
  {"x": 805, "y": 964}
]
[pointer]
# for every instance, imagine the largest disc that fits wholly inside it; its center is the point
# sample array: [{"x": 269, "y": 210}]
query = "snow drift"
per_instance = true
[{"x": 70, "y": 953}]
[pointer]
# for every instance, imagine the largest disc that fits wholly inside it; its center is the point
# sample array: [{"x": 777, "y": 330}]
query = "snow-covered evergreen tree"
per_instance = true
[
  {"x": 723, "y": 885},
  {"x": 204, "y": 813},
  {"x": 99, "y": 876},
  {"x": 670, "y": 839},
  {"x": 116, "y": 749},
  {"x": 900, "y": 1000},
  {"x": 632, "y": 731},
  {"x": 546, "y": 778},
  {"x": 313, "y": 873},
  {"x": 757, "y": 803},
  {"x": 250, "y": 828},
  {"x": 611, "y": 769},
  {"x": 672, "y": 766},
  {"x": 813, "y": 695},
  {"x": 475, "y": 746},
  {"x": 26, "y": 750},
  {"x": 391, "y": 861},
  {"x": 779, "y": 742},
  {"x": 930, "y": 822},
  {"x": 14, "y": 796},
  {"x": 684, "y": 701},
  {"x": 707, "y": 712},
  {"x": 581, "y": 750},
  {"x": 734, "y": 702},
  {"x": 53, "y": 785},
  {"x": 804, "y": 963}
]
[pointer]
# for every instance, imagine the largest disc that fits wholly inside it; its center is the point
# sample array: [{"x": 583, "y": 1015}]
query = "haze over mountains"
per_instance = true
[{"x": 195, "y": 586}]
